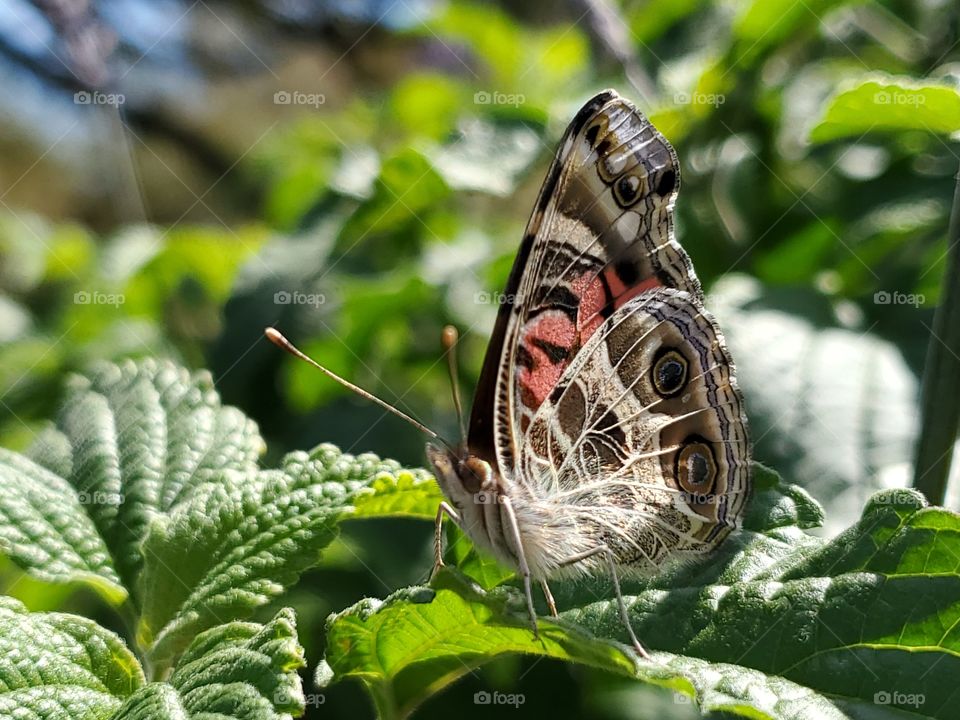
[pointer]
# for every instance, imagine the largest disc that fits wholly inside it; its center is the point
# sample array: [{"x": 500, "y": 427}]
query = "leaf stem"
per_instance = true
[
  {"x": 940, "y": 398},
  {"x": 129, "y": 615},
  {"x": 384, "y": 700}
]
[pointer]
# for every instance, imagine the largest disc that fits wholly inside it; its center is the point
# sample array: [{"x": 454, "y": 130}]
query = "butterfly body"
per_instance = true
[{"x": 607, "y": 432}]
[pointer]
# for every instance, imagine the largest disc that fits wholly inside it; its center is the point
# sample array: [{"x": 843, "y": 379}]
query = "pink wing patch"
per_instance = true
[
  {"x": 547, "y": 341},
  {"x": 593, "y": 298},
  {"x": 551, "y": 340}
]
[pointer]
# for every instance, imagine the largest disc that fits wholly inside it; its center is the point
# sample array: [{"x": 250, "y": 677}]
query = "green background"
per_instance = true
[{"x": 388, "y": 196}]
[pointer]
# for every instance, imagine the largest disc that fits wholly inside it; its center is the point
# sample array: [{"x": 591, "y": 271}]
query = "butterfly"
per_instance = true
[{"x": 607, "y": 434}]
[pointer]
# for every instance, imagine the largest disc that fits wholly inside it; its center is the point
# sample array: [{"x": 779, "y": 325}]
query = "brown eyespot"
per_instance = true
[
  {"x": 696, "y": 468},
  {"x": 669, "y": 372},
  {"x": 626, "y": 190},
  {"x": 472, "y": 473}
]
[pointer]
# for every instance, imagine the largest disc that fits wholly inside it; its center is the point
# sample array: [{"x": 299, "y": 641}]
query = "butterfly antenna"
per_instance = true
[
  {"x": 450, "y": 337},
  {"x": 277, "y": 338}
]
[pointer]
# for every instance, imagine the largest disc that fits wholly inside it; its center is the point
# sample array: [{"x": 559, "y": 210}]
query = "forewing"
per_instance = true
[
  {"x": 600, "y": 234},
  {"x": 644, "y": 437}
]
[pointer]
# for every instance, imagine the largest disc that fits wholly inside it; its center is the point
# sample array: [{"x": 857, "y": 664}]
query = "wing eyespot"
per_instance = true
[
  {"x": 669, "y": 373},
  {"x": 627, "y": 190},
  {"x": 696, "y": 466}
]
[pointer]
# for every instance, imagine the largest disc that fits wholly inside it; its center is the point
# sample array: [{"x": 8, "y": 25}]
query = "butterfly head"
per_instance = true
[{"x": 462, "y": 476}]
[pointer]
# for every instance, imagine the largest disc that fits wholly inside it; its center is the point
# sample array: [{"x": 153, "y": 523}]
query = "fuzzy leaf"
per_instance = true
[
  {"x": 424, "y": 637},
  {"x": 776, "y": 624},
  {"x": 239, "y": 670},
  {"x": 239, "y": 542},
  {"x": 136, "y": 440},
  {"x": 55, "y": 666},
  {"x": 44, "y": 529},
  {"x": 400, "y": 494}
]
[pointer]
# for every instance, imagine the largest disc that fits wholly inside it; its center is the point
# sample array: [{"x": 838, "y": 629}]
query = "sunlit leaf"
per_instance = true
[{"x": 889, "y": 103}]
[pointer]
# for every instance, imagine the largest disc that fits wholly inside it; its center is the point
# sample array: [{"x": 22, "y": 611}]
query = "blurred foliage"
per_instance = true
[{"x": 388, "y": 197}]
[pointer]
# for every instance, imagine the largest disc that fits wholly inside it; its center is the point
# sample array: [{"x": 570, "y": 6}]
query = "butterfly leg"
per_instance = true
[
  {"x": 551, "y": 603},
  {"x": 444, "y": 509},
  {"x": 622, "y": 606},
  {"x": 521, "y": 559}
]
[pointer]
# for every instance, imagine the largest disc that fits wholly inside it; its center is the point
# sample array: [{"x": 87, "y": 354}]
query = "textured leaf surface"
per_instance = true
[
  {"x": 886, "y": 102},
  {"x": 149, "y": 486},
  {"x": 44, "y": 529},
  {"x": 776, "y": 624},
  {"x": 398, "y": 493},
  {"x": 132, "y": 442},
  {"x": 144, "y": 436},
  {"x": 239, "y": 542},
  {"x": 424, "y": 637},
  {"x": 55, "y": 666},
  {"x": 239, "y": 670}
]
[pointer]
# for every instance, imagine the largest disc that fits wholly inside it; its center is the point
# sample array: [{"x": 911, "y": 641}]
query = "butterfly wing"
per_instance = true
[
  {"x": 601, "y": 233},
  {"x": 643, "y": 440}
]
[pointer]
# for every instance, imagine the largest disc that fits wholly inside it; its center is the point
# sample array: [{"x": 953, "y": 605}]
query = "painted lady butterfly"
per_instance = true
[{"x": 607, "y": 434}]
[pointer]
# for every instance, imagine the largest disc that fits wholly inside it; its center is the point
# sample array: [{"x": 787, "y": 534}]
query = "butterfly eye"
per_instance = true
[
  {"x": 669, "y": 373},
  {"x": 696, "y": 468},
  {"x": 666, "y": 183},
  {"x": 472, "y": 473}
]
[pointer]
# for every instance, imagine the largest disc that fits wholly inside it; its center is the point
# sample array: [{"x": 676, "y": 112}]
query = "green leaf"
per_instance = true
[
  {"x": 407, "y": 187},
  {"x": 510, "y": 55},
  {"x": 149, "y": 485},
  {"x": 776, "y": 624},
  {"x": 400, "y": 493},
  {"x": 240, "y": 541},
  {"x": 422, "y": 638},
  {"x": 742, "y": 692},
  {"x": 44, "y": 529},
  {"x": 239, "y": 670},
  {"x": 886, "y": 102},
  {"x": 487, "y": 157},
  {"x": 143, "y": 437},
  {"x": 55, "y": 666},
  {"x": 473, "y": 562}
]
